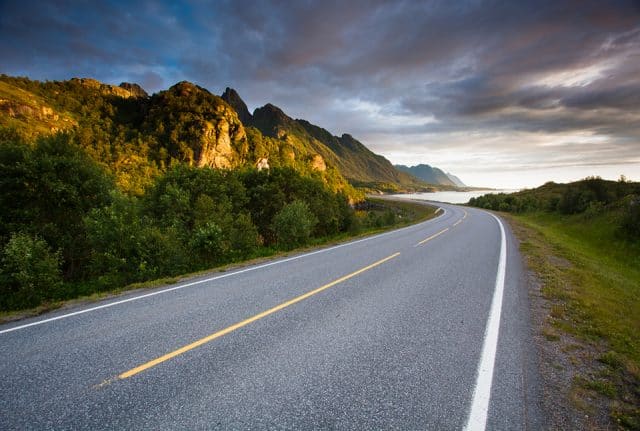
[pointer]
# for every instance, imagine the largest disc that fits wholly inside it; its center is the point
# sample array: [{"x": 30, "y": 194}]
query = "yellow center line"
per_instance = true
[
  {"x": 432, "y": 237},
  {"x": 245, "y": 322},
  {"x": 457, "y": 223},
  {"x": 465, "y": 215}
]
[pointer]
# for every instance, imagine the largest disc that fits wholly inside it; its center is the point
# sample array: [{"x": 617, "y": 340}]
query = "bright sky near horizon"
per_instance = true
[{"x": 502, "y": 94}]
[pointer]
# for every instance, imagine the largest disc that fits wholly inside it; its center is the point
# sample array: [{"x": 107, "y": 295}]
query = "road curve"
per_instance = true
[{"x": 388, "y": 332}]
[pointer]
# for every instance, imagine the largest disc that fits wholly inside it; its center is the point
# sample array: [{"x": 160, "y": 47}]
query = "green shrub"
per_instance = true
[
  {"x": 30, "y": 272},
  {"x": 244, "y": 236},
  {"x": 209, "y": 243},
  {"x": 293, "y": 224},
  {"x": 127, "y": 247},
  {"x": 388, "y": 218}
]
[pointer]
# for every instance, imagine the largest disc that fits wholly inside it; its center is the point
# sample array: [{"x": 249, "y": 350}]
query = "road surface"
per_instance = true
[{"x": 425, "y": 327}]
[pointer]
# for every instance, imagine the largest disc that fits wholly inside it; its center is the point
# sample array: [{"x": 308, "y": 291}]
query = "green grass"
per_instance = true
[
  {"x": 592, "y": 275},
  {"x": 604, "y": 275}
]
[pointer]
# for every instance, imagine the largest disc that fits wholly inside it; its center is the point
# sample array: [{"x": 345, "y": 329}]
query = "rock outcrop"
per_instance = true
[
  {"x": 20, "y": 110},
  {"x": 216, "y": 149},
  {"x": 134, "y": 89},
  {"x": 203, "y": 129},
  {"x": 262, "y": 163},
  {"x": 124, "y": 90},
  {"x": 234, "y": 100},
  {"x": 317, "y": 163}
]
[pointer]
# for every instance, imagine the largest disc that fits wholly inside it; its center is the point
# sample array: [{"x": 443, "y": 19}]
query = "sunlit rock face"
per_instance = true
[
  {"x": 216, "y": 149},
  {"x": 200, "y": 127},
  {"x": 317, "y": 163},
  {"x": 124, "y": 90},
  {"x": 262, "y": 163},
  {"x": 134, "y": 89}
]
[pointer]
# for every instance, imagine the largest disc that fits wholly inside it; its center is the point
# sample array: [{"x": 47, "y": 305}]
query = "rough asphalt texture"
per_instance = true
[{"x": 396, "y": 347}]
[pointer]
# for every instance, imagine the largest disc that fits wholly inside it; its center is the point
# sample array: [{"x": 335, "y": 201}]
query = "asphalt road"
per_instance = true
[{"x": 382, "y": 333}]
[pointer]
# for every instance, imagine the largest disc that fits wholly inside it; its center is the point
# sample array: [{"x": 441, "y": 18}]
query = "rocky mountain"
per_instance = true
[
  {"x": 431, "y": 175},
  {"x": 233, "y": 99},
  {"x": 203, "y": 129},
  {"x": 137, "y": 135},
  {"x": 457, "y": 181},
  {"x": 359, "y": 165}
]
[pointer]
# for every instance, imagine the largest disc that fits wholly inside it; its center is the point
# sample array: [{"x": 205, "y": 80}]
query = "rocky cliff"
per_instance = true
[{"x": 197, "y": 126}]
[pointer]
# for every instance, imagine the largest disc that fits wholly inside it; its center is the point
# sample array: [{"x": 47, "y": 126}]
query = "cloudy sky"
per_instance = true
[{"x": 501, "y": 93}]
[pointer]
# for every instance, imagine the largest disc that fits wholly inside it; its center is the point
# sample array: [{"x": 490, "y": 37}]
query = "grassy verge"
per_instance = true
[
  {"x": 383, "y": 215},
  {"x": 591, "y": 276}
]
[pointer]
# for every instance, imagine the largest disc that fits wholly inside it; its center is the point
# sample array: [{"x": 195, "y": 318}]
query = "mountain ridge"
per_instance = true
[
  {"x": 137, "y": 134},
  {"x": 432, "y": 175}
]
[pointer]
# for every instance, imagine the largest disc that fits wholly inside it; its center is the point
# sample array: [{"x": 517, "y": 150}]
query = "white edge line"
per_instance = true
[
  {"x": 477, "y": 420},
  {"x": 206, "y": 280}
]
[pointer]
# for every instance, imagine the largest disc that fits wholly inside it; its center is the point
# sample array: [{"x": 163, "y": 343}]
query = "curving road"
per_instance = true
[{"x": 418, "y": 328}]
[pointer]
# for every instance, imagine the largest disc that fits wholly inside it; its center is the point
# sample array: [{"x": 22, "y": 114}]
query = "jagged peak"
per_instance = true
[
  {"x": 272, "y": 112},
  {"x": 270, "y": 108},
  {"x": 231, "y": 93},
  {"x": 234, "y": 100}
]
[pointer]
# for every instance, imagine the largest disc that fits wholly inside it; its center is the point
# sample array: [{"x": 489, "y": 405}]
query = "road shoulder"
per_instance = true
[{"x": 567, "y": 363}]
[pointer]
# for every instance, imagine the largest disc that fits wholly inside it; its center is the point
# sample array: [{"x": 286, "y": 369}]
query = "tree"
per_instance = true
[
  {"x": 46, "y": 190},
  {"x": 127, "y": 247},
  {"x": 293, "y": 224},
  {"x": 30, "y": 272}
]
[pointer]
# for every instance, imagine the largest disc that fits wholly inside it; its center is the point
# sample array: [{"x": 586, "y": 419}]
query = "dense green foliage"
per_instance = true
[
  {"x": 590, "y": 197},
  {"x": 29, "y": 272},
  {"x": 293, "y": 224},
  {"x": 47, "y": 189},
  {"x": 64, "y": 218}
]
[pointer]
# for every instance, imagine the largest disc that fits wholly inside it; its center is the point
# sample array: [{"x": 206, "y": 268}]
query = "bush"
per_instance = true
[
  {"x": 293, "y": 224},
  {"x": 209, "y": 243},
  {"x": 244, "y": 236},
  {"x": 30, "y": 272},
  {"x": 127, "y": 247}
]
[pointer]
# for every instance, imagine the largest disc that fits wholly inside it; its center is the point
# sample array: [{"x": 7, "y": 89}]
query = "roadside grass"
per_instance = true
[
  {"x": 592, "y": 276},
  {"x": 405, "y": 213}
]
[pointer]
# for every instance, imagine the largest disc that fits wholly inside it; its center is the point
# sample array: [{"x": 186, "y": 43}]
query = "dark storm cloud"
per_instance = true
[{"x": 375, "y": 68}]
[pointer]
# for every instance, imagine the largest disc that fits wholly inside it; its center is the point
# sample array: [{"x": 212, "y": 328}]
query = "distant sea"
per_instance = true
[{"x": 450, "y": 197}]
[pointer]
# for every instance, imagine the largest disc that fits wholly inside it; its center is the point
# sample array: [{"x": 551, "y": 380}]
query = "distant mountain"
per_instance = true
[
  {"x": 457, "y": 181},
  {"x": 359, "y": 165},
  {"x": 431, "y": 175}
]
